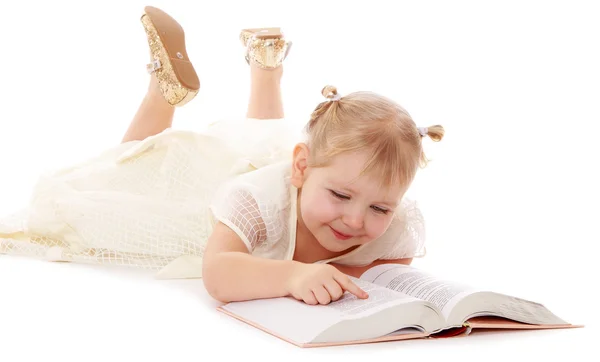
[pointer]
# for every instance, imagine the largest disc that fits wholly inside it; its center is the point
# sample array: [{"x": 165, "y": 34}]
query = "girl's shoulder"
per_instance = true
[
  {"x": 256, "y": 205},
  {"x": 267, "y": 182},
  {"x": 405, "y": 237}
]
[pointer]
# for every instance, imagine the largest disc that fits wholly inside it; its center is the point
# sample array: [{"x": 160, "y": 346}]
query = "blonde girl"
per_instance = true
[{"x": 243, "y": 206}]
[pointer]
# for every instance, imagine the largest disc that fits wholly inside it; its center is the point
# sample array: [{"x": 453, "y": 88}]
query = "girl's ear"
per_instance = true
[{"x": 299, "y": 164}]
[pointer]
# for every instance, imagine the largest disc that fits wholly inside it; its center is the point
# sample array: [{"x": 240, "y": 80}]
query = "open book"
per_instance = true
[{"x": 403, "y": 303}]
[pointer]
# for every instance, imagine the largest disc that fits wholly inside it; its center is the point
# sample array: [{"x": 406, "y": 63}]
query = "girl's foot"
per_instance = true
[
  {"x": 265, "y": 47},
  {"x": 170, "y": 64}
]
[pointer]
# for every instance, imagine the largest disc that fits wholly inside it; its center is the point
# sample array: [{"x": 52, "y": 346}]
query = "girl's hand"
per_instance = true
[{"x": 320, "y": 284}]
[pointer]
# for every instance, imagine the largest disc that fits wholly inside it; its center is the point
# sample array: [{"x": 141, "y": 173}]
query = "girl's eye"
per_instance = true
[
  {"x": 339, "y": 196},
  {"x": 380, "y": 210},
  {"x": 345, "y": 197}
]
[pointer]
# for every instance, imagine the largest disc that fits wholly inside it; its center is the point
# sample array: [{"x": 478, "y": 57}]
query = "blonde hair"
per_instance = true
[{"x": 367, "y": 121}]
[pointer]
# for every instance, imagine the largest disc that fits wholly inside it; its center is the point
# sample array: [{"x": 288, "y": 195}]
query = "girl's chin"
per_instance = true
[{"x": 336, "y": 246}]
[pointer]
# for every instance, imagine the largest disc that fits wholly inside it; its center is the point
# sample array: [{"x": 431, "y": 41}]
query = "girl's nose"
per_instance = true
[{"x": 354, "y": 219}]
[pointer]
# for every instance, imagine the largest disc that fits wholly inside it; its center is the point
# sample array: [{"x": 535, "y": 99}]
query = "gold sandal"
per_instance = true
[
  {"x": 176, "y": 76},
  {"x": 265, "y": 47}
]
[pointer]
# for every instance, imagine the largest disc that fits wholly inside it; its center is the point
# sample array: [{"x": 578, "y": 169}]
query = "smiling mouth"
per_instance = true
[{"x": 339, "y": 235}]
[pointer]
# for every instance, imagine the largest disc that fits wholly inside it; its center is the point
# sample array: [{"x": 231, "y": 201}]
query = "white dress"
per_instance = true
[{"x": 152, "y": 204}]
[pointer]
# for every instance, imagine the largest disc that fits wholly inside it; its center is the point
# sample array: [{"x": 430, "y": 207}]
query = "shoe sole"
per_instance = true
[{"x": 167, "y": 43}]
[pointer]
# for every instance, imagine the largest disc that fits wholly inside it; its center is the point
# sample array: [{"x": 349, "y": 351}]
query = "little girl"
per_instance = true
[{"x": 251, "y": 212}]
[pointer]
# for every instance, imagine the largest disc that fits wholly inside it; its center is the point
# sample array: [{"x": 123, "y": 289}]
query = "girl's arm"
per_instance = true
[{"x": 230, "y": 273}]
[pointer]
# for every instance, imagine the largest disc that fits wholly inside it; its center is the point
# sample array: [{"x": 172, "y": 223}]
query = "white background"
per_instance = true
[{"x": 510, "y": 196}]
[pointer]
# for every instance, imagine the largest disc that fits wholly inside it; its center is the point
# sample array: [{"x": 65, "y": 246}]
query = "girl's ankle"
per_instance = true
[{"x": 260, "y": 73}]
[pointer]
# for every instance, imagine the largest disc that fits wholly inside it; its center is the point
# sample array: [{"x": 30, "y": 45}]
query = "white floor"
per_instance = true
[
  {"x": 76, "y": 313},
  {"x": 510, "y": 198}
]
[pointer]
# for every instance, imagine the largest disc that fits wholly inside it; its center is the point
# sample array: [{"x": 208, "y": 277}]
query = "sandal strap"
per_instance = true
[{"x": 155, "y": 65}]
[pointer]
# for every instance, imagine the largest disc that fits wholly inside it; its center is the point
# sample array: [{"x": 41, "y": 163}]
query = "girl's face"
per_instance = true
[{"x": 340, "y": 207}]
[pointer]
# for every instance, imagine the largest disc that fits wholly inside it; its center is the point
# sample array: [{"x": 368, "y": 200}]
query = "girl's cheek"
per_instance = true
[
  {"x": 377, "y": 227},
  {"x": 314, "y": 209},
  {"x": 325, "y": 210}
]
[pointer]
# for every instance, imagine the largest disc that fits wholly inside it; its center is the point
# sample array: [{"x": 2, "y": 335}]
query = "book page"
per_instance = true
[
  {"x": 295, "y": 320},
  {"x": 349, "y": 306},
  {"x": 419, "y": 284},
  {"x": 286, "y": 318},
  {"x": 527, "y": 311},
  {"x": 500, "y": 305}
]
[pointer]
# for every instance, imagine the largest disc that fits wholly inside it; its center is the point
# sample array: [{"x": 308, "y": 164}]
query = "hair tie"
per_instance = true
[
  {"x": 336, "y": 97},
  {"x": 423, "y": 131}
]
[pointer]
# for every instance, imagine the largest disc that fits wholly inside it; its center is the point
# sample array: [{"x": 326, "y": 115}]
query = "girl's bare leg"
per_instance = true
[
  {"x": 153, "y": 116},
  {"x": 265, "y": 93}
]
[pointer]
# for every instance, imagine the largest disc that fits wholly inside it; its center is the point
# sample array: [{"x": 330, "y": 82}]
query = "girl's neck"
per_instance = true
[{"x": 308, "y": 249}]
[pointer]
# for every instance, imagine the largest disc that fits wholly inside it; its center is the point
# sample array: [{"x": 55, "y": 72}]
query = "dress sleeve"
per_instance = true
[
  {"x": 236, "y": 206},
  {"x": 256, "y": 206},
  {"x": 405, "y": 238}
]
